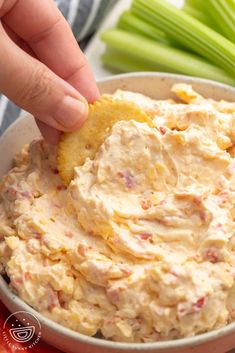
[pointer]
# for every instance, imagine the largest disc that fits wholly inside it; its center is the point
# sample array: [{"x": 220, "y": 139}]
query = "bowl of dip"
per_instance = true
[{"x": 163, "y": 278}]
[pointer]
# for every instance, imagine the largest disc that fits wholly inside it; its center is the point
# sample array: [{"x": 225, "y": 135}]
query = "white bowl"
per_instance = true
[{"x": 23, "y": 131}]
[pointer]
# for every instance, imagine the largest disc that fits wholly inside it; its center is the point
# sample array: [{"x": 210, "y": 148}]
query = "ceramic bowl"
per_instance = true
[{"x": 155, "y": 85}]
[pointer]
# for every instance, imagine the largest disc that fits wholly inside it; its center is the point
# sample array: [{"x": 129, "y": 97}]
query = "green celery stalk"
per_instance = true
[
  {"x": 154, "y": 54},
  {"x": 199, "y": 15},
  {"x": 223, "y": 14},
  {"x": 197, "y": 4},
  {"x": 232, "y": 4},
  {"x": 188, "y": 31},
  {"x": 126, "y": 63},
  {"x": 131, "y": 23},
  {"x": 122, "y": 62},
  {"x": 201, "y": 12}
]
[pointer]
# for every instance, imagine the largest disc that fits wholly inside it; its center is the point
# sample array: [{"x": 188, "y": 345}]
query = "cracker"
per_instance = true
[{"x": 75, "y": 147}]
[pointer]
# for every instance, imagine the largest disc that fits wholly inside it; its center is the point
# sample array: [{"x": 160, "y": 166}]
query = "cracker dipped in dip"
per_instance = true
[{"x": 140, "y": 246}]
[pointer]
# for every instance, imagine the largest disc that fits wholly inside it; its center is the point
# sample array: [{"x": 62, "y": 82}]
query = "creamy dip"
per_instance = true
[{"x": 141, "y": 245}]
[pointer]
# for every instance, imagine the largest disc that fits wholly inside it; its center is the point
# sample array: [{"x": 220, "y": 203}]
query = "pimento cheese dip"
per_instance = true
[{"x": 141, "y": 245}]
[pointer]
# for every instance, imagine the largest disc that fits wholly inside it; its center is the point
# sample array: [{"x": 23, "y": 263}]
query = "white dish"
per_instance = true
[{"x": 23, "y": 131}]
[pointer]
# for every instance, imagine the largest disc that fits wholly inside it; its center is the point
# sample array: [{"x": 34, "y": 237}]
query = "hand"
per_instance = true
[{"x": 42, "y": 68}]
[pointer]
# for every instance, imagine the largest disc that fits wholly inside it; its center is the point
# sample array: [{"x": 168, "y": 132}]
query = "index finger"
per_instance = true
[{"x": 43, "y": 27}]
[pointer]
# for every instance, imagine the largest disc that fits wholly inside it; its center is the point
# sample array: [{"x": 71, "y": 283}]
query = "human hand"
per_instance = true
[{"x": 42, "y": 68}]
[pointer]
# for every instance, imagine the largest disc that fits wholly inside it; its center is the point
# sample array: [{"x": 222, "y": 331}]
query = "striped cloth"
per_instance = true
[{"x": 84, "y": 16}]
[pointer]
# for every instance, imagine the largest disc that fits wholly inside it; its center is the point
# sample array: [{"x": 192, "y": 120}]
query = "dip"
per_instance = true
[{"x": 141, "y": 245}]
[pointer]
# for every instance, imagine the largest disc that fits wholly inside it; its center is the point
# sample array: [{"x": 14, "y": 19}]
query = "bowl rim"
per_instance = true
[{"x": 6, "y": 294}]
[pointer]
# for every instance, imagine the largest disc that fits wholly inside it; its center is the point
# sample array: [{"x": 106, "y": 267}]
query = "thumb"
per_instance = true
[{"x": 35, "y": 88}]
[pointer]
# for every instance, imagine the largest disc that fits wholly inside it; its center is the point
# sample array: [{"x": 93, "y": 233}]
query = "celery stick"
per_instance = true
[
  {"x": 232, "y": 4},
  {"x": 126, "y": 63},
  {"x": 199, "y": 15},
  {"x": 222, "y": 12},
  {"x": 132, "y": 23},
  {"x": 197, "y": 4},
  {"x": 201, "y": 12},
  {"x": 121, "y": 62},
  {"x": 188, "y": 31},
  {"x": 157, "y": 54}
]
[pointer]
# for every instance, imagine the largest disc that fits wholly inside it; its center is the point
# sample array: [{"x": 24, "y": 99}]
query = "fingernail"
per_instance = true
[{"x": 70, "y": 112}]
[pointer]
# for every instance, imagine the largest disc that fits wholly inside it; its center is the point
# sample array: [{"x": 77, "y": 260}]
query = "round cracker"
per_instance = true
[{"x": 75, "y": 147}]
